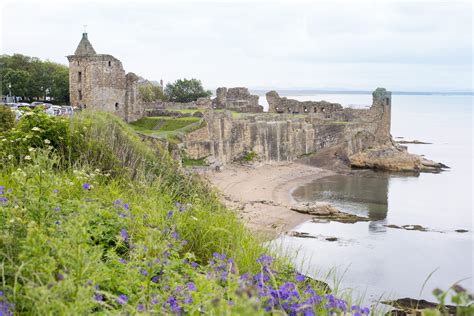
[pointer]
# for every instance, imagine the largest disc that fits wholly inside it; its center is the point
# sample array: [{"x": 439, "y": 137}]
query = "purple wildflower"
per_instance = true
[
  {"x": 126, "y": 206},
  {"x": 192, "y": 286},
  {"x": 154, "y": 300},
  {"x": 55, "y": 191},
  {"x": 141, "y": 307},
  {"x": 144, "y": 272},
  {"x": 56, "y": 208},
  {"x": 124, "y": 234},
  {"x": 194, "y": 265},
  {"x": 184, "y": 242},
  {"x": 155, "y": 279},
  {"x": 122, "y": 299},
  {"x": 300, "y": 277},
  {"x": 86, "y": 186},
  {"x": 170, "y": 213},
  {"x": 98, "y": 297},
  {"x": 56, "y": 222},
  {"x": 175, "y": 235}
]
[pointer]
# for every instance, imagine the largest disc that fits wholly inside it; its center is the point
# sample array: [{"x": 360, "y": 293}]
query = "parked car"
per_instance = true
[
  {"x": 36, "y": 103},
  {"x": 56, "y": 109},
  {"x": 68, "y": 110}
]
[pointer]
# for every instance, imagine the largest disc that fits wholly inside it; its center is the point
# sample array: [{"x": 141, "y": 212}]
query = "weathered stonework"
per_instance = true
[
  {"x": 99, "y": 82},
  {"x": 236, "y": 99},
  {"x": 277, "y": 104},
  {"x": 284, "y": 137}
]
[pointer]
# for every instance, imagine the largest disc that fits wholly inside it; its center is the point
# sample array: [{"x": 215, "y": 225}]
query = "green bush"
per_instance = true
[
  {"x": 7, "y": 118},
  {"x": 184, "y": 90},
  {"x": 250, "y": 156}
]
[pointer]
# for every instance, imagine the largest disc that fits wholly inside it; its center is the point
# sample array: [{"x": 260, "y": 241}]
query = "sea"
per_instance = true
[{"x": 419, "y": 236}]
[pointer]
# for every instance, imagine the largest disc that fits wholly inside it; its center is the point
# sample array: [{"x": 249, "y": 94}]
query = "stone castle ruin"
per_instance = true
[
  {"x": 277, "y": 104},
  {"x": 99, "y": 82},
  {"x": 280, "y": 136},
  {"x": 236, "y": 99},
  {"x": 360, "y": 137}
]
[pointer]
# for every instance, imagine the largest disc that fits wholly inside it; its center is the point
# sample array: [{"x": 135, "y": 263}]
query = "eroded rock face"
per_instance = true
[{"x": 391, "y": 158}]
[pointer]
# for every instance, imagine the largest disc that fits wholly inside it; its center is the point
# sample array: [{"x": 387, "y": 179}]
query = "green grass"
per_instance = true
[
  {"x": 194, "y": 162},
  {"x": 163, "y": 123}
]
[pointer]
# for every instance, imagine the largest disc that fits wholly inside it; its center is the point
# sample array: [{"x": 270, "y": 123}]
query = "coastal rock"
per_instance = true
[
  {"x": 315, "y": 208},
  {"x": 326, "y": 212},
  {"x": 391, "y": 158},
  {"x": 409, "y": 306}
]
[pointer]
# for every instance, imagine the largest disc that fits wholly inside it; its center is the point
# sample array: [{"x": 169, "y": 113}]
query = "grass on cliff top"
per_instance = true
[{"x": 162, "y": 123}]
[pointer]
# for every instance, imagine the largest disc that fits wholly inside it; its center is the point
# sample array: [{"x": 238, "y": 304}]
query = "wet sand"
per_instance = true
[{"x": 262, "y": 194}]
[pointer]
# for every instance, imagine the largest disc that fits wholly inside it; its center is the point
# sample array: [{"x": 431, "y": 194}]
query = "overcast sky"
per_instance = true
[{"x": 409, "y": 46}]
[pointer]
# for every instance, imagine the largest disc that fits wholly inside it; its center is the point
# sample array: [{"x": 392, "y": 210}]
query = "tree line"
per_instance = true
[{"x": 33, "y": 79}]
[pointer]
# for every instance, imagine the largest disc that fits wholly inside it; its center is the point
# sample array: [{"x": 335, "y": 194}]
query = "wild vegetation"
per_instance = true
[
  {"x": 33, "y": 79},
  {"x": 94, "y": 220}
]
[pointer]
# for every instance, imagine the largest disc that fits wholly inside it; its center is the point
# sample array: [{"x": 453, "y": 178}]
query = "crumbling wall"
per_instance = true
[
  {"x": 283, "y": 137},
  {"x": 236, "y": 99},
  {"x": 277, "y": 104}
]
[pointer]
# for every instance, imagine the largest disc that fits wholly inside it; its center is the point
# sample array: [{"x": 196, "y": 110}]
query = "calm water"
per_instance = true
[{"x": 374, "y": 259}]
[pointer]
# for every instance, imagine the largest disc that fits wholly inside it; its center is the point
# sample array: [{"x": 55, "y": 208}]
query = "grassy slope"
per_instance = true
[{"x": 112, "y": 225}]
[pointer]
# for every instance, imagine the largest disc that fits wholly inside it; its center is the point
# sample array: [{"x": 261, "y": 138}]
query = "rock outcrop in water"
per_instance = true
[{"x": 393, "y": 158}]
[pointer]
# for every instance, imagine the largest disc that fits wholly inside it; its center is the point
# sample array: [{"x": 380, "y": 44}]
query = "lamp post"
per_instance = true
[{"x": 9, "y": 92}]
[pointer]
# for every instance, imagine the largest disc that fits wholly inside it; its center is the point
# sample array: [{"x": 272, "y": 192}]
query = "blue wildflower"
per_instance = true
[
  {"x": 122, "y": 299},
  {"x": 175, "y": 235},
  {"x": 141, "y": 307},
  {"x": 55, "y": 191},
  {"x": 56, "y": 222},
  {"x": 98, "y": 297},
  {"x": 56, "y": 208},
  {"x": 124, "y": 234},
  {"x": 192, "y": 286},
  {"x": 194, "y": 265},
  {"x": 300, "y": 277},
  {"x": 155, "y": 279},
  {"x": 144, "y": 272},
  {"x": 170, "y": 213},
  {"x": 86, "y": 186}
]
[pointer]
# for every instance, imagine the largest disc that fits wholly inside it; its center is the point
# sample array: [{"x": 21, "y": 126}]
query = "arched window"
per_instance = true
[
  {"x": 116, "y": 106},
  {"x": 110, "y": 63}
]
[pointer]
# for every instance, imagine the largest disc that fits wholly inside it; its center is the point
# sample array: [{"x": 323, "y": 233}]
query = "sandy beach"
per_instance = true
[{"x": 262, "y": 194}]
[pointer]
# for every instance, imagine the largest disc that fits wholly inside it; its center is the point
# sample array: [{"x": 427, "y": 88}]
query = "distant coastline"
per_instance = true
[{"x": 261, "y": 92}]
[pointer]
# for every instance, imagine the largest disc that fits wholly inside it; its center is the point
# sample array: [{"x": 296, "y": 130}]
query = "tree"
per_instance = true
[
  {"x": 184, "y": 90},
  {"x": 150, "y": 92},
  {"x": 30, "y": 78}
]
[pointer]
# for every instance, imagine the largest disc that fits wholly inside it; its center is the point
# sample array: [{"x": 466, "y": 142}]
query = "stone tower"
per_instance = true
[
  {"x": 98, "y": 81},
  {"x": 382, "y": 102}
]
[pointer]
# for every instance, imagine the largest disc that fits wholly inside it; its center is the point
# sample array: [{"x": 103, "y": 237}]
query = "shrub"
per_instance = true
[
  {"x": 184, "y": 90},
  {"x": 7, "y": 118}
]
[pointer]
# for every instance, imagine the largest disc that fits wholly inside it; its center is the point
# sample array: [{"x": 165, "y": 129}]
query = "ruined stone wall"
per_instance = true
[
  {"x": 280, "y": 137},
  {"x": 277, "y": 104},
  {"x": 236, "y": 99}
]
